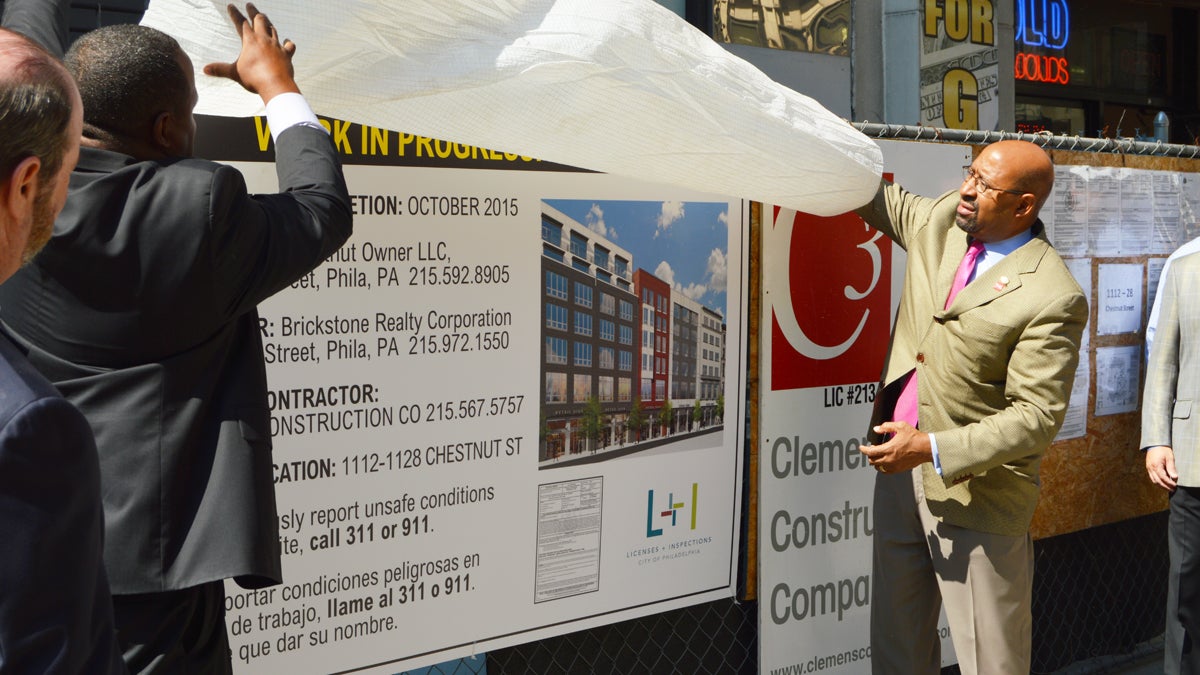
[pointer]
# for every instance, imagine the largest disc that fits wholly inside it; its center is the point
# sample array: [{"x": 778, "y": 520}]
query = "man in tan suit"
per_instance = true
[
  {"x": 1170, "y": 436},
  {"x": 958, "y": 456}
]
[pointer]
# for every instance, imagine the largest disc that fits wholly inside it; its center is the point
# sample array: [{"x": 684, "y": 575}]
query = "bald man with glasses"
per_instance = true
[{"x": 975, "y": 387}]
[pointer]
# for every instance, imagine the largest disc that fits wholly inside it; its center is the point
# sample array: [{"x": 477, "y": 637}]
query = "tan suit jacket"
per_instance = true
[
  {"x": 1171, "y": 402},
  {"x": 995, "y": 369}
]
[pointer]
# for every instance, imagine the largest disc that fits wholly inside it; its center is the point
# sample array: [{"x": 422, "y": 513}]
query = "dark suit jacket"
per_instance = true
[
  {"x": 55, "y": 610},
  {"x": 142, "y": 311},
  {"x": 995, "y": 368}
]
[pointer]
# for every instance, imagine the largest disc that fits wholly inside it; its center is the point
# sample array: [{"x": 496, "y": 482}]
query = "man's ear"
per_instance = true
[
  {"x": 171, "y": 135},
  {"x": 1026, "y": 205},
  {"x": 18, "y": 191},
  {"x": 161, "y": 134}
]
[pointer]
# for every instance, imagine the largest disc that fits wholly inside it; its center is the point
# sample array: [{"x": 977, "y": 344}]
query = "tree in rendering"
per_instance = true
[
  {"x": 593, "y": 421},
  {"x": 637, "y": 418},
  {"x": 664, "y": 416}
]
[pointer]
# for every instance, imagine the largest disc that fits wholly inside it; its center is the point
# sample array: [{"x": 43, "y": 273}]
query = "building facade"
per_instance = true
[
  {"x": 712, "y": 366},
  {"x": 1092, "y": 68},
  {"x": 589, "y": 328},
  {"x": 654, "y": 294}
]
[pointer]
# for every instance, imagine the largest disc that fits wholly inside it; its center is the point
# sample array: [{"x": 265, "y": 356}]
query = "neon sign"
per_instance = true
[
  {"x": 1041, "y": 68},
  {"x": 1045, "y": 24}
]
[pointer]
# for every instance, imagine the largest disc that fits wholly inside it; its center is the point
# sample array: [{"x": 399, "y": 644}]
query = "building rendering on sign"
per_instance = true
[{"x": 626, "y": 361}]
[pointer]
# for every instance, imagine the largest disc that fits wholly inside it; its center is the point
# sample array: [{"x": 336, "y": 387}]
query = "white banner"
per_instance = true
[
  {"x": 830, "y": 288},
  {"x": 620, "y": 86}
]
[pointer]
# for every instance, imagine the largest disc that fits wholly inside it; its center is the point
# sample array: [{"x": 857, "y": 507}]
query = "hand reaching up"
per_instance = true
[{"x": 264, "y": 66}]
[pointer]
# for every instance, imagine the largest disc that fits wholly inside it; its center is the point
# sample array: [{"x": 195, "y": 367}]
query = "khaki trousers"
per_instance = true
[{"x": 985, "y": 581}]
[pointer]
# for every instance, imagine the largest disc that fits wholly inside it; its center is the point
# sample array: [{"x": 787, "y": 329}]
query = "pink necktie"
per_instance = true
[{"x": 906, "y": 403}]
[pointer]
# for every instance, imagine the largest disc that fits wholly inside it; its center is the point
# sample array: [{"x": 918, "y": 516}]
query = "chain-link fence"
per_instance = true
[
  {"x": 1099, "y": 592},
  {"x": 715, "y": 638},
  {"x": 1126, "y": 146},
  {"x": 468, "y": 666}
]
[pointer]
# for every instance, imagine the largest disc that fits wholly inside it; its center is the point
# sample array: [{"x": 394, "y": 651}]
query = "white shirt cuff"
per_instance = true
[
  {"x": 287, "y": 110},
  {"x": 937, "y": 461}
]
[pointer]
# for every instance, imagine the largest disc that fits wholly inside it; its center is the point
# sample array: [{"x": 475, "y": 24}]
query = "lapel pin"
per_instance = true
[{"x": 1002, "y": 284}]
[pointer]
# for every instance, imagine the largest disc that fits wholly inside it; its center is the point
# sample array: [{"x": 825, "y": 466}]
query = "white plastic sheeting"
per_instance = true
[{"x": 619, "y": 86}]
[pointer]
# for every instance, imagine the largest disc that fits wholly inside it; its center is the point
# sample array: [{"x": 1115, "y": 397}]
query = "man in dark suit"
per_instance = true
[
  {"x": 142, "y": 309},
  {"x": 55, "y": 610},
  {"x": 978, "y": 376}
]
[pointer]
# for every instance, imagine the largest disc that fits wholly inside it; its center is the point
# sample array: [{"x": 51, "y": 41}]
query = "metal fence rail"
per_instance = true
[{"x": 1047, "y": 140}]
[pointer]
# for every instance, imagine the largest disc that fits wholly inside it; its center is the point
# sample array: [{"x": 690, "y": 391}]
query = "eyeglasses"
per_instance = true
[{"x": 983, "y": 186}]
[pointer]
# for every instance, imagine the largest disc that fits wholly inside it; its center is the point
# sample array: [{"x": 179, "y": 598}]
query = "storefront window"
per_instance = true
[
  {"x": 1064, "y": 120},
  {"x": 1104, "y": 67}
]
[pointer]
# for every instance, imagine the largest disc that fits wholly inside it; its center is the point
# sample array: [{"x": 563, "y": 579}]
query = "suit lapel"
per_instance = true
[
  {"x": 952, "y": 255},
  {"x": 1003, "y": 278}
]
